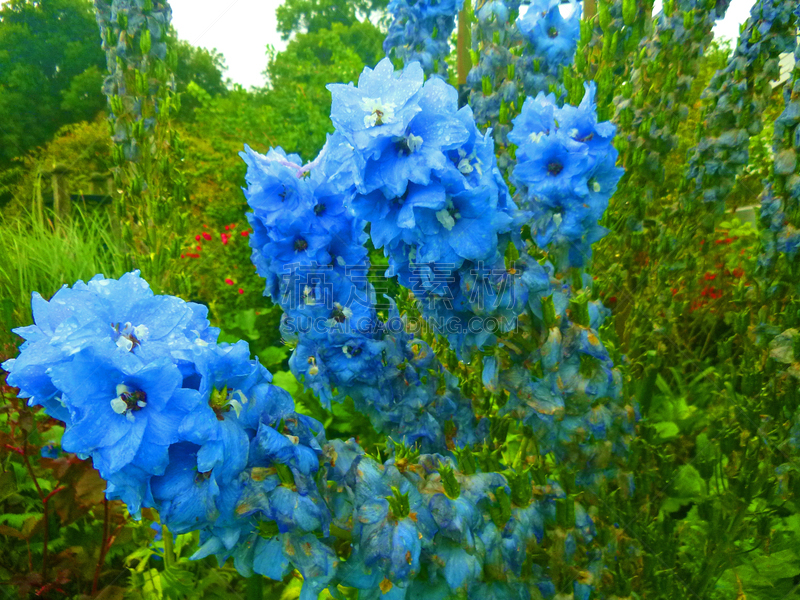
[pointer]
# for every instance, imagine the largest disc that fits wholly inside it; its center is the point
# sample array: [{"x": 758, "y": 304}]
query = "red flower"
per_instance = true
[
  {"x": 241, "y": 291},
  {"x": 674, "y": 291},
  {"x": 229, "y": 281},
  {"x": 710, "y": 276},
  {"x": 183, "y": 256},
  {"x": 199, "y": 248},
  {"x": 206, "y": 236},
  {"x": 227, "y": 227},
  {"x": 224, "y": 237},
  {"x": 197, "y": 237},
  {"x": 245, "y": 233},
  {"x": 738, "y": 272}
]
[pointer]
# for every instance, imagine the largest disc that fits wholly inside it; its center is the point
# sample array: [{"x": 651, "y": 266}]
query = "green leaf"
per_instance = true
[
  {"x": 273, "y": 355},
  {"x": 666, "y": 430},
  {"x": 688, "y": 483},
  {"x": 286, "y": 380}
]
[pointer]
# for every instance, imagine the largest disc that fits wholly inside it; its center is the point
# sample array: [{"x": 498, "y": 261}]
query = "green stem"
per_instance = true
[
  {"x": 169, "y": 550},
  {"x": 255, "y": 588},
  {"x": 523, "y": 446}
]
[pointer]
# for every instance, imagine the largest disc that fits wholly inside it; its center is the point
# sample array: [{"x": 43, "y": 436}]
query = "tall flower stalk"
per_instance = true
[{"x": 142, "y": 102}]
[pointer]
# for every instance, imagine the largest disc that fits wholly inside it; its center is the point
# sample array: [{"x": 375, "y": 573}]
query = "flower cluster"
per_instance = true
[
  {"x": 433, "y": 196},
  {"x": 310, "y": 248},
  {"x": 562, "y": 385},
  {"x": 420, "y": 31},
  {"x": 551, "y": 43},
  {"x": 134, "y": 39},
  {"x": 565, "y": 174},
  {"x": 171, "y": 419},
  {"x": 452, "y": 237},
  {"x": 780, "y": 202},
  {"x": 736, "y": 98},
  {"x": 137, "y": 378},
  {"x": 492, "y": 79},
  {"x": 423, "y": 527},
  {"x": 652, "y": 107},
  {"x": 175, "y": 421}
]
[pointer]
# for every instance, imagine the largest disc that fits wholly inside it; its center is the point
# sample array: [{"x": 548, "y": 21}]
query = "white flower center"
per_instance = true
[
  {"x": 130, "y": 336},
  {"x": 414, "y": 142},
  {"x": 536, "y": 137},
  {"x": 378, "y": 111},
  {"x": 469, "y": 163},
  {"x": 340, "y": 315},
  {"x": 308, "y": 296},
  {"x": 128, "y": 401},
  {"x": 446, "y": 219}
]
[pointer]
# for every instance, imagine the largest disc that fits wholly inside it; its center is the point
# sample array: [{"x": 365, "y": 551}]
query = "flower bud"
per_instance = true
[
  {"x": 549, "y": 312},
  {"x": 500, "y": 509},
  {"x": 604, "y": 14},
  {"x": 452, "y": 489},
  {"x": 145, "y": 42},
  {"x": 579, "y": 309}
]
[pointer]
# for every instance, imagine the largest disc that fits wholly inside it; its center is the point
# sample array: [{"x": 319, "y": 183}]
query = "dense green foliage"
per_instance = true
[
  {"x": 51, "y": 70},
  {"x": 309, "y": 16}
]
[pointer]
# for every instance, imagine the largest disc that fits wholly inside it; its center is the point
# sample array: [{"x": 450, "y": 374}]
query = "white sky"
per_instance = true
[{"x": 241, "y": 30}]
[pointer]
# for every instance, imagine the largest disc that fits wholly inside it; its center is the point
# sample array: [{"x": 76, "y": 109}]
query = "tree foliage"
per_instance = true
[
  {"x": 309, "y": 16},
  {"x": 50, "y": 60},
  {"x": 205, "y": 68}
]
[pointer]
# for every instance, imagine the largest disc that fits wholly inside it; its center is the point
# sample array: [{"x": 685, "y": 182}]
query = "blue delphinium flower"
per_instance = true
[
  {"x": 367, "y": 168},
  {"x": 122, "y": 411},
  {"x": 565, "y": 174},
  {"x": 116, "y": 317},
  {"x": 552, "y": 39},
  {"x": 736, "y": 101},
  {"x": 379, "y": 109},
  {"x": 185, "y": 496},
  {"x": 419, "y": 32}
]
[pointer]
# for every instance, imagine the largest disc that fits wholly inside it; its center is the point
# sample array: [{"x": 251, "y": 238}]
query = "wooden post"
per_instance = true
[
  {"x": 464, "y": 60},
  {"x": 38, "y": 202},
  {"x": 589, "y": 9},
  {"x": 61, "y": 203}
]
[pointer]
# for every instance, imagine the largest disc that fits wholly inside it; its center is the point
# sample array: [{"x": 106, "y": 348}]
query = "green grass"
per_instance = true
[{"x": 42, "y": 257}]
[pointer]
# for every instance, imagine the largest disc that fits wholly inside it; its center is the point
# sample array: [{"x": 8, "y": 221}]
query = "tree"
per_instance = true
[
  {"x": 310, "y": 16},
  {"x": 202, "y": 67},
  {"x": 50, "y": 58},
  {"x": 52, "y": 69}
]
